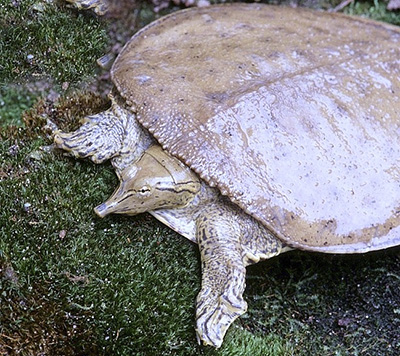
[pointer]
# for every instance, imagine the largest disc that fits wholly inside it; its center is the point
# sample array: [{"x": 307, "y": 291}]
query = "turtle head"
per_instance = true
[{"x": 156, "y": 181}]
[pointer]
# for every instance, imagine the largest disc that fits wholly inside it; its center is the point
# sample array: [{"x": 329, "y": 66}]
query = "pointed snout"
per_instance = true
[
  {"x": 105, "y": 209},
  {"x": 115, "y": 204},
  {"x": 101, "y": 210}
]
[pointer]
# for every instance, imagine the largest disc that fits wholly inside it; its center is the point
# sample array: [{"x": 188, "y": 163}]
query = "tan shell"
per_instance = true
[{"x": 294, "y": 114}]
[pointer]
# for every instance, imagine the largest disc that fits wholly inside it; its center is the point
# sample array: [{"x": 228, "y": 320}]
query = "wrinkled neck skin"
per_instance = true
[
  {"x": 183, "y": 220},
  {"x": 135, "y": 140}
]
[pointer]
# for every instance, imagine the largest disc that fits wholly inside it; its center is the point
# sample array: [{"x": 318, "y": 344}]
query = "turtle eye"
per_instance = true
[{"x": 144, "y": 191}]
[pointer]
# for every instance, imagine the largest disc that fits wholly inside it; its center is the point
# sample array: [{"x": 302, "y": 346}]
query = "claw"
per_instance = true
[
  {"x": 215, "y": 318},
  {"x": 218, "y": 308}
]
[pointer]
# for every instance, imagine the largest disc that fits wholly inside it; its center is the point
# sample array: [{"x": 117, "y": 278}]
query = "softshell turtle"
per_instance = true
[{"x": 250, "y": 129}]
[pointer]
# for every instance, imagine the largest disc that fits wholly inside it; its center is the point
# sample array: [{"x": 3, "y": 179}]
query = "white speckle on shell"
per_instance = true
[{"x": 142, "y": 79}]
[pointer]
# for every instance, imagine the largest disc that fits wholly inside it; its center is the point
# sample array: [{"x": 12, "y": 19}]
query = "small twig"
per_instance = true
[
  {"x": 342, "y": 5},
  {"x": 8, "y": 337}
]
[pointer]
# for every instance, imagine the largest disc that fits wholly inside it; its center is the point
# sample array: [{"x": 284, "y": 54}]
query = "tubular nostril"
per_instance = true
[{"x": 101, "y": 210}]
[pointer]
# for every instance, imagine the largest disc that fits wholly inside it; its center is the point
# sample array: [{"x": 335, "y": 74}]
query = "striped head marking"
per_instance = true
[{"x": 156, "y": 181}]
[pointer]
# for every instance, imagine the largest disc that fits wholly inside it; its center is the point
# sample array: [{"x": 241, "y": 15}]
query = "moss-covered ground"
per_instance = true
[{"x": 74, "y": 284}]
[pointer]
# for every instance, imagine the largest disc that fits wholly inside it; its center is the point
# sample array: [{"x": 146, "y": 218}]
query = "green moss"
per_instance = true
[
  {"x": 38, "y": 40},
  {"x": 118, "y": 280},
  {"x": 13, "y": 102},
  {"x": 331, "y": 305},
  {"x": 373, "y": 9}
]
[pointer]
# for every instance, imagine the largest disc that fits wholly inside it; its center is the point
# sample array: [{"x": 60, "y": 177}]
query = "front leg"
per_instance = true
[
  {"x": 99, "y": 138},
  {"x": 113, "y": 134},
  {"x": 220, "y": 300}
]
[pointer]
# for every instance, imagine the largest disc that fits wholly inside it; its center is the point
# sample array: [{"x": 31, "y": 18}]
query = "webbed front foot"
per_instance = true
[
  {"x": 220, "y": 302},
  {"x": 99, "y": 7},
  {"x": 112, "y": 134},
  {"x": 99, "y": 138}
]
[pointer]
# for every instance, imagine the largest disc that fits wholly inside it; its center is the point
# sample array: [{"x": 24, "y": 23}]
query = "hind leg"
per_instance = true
[
  {"x": 229, "y": 240},
  {"x": 220, "y": 300}
]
